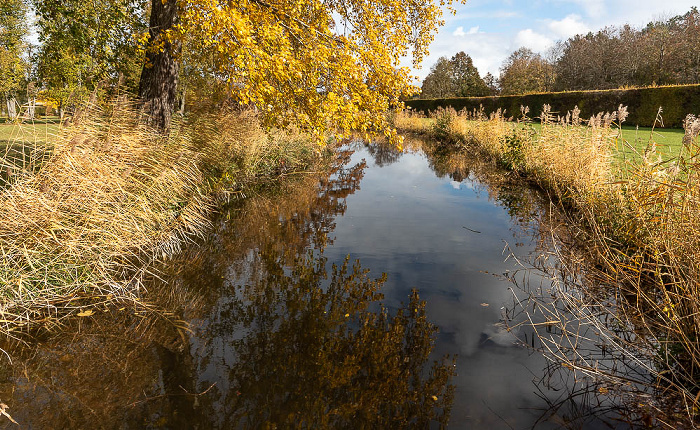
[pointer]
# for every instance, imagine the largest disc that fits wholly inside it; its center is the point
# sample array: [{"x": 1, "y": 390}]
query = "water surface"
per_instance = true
[{"x": 368, "y": 296}]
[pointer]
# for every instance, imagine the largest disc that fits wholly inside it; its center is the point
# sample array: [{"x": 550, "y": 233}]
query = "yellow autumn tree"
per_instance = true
[{"x": 319, "y": 64}]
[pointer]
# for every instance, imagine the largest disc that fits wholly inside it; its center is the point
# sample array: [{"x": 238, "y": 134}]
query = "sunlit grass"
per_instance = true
[
  {"x": 42, "y": 132},
  {"x": 84, "y": 222},
  {"x": 629, "y": 147},
  {"x": 635, "y": 141}
]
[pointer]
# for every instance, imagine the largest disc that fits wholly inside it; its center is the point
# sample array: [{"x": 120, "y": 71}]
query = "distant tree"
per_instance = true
[
  {"x": 85, "y": 43},
  {"x": 588, "y": 62},
  {"x": 525, "y": 72},
  {"x": 468, "y": 83},
  {"x": 659, "y": 40},
  {"x": 438, "y": 84},
  {"x": 456, "y": 77},
  {"x": 13, "y": 45},
  {"x": 663, "y": 52},
  {"x": 688, "y": 61},
  {"x": 492, "y": 84}
]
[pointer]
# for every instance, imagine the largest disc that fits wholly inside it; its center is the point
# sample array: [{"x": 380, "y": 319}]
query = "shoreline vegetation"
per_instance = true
[
  {"x": 636, "y": 222},
  {"x": 87, "y": 216},
  {"x": 91, "y": 212}
]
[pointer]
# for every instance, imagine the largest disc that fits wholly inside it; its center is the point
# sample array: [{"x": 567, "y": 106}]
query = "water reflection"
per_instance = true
[
  {"x": 384, "y": 154},
  {"x": 546, "y": 312},
  {"x": 283, "y": 330},
  {"x": 278, "y": 337},
  {"x": 313, "y": 354}
]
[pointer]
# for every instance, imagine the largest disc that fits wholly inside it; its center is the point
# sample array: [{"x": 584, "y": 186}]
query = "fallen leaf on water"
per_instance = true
[
  {"x": 86, "y": 313},
  {"x": 484, "y": 304}
]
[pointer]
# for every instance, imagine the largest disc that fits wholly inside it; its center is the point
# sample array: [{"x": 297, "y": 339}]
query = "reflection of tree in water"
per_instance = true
[
  {"x": 384, "y": 153},
  {"x": 291, "y": 348},
  {"x": 314, "y": 355},
  {"x": 308, "y": 348},
  {"x": 112, "y": 370},
  {"x": 522, "y": 202},
  {"x": 448, "y": 163}
]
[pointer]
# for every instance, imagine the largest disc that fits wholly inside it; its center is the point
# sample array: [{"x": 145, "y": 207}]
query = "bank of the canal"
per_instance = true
[{"x": 256, "y": 328}]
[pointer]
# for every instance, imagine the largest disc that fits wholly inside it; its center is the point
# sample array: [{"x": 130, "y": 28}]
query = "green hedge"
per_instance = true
[{"x": 642, "y": 103}]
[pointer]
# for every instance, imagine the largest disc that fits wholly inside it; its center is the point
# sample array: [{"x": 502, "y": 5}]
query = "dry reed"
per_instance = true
[
  {"x": 626, "y": 271},
  {"x": 112, "y": 198}
]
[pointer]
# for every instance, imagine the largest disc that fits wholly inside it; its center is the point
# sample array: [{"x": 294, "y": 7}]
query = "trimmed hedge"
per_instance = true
[{"x": 642, "y": 103}]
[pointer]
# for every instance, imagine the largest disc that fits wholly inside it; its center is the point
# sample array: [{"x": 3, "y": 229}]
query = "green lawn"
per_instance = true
[
  {"x": 18, "y": 143},
  {"x": 41, "y": 132},
  {"x": 669, "y": 141}
]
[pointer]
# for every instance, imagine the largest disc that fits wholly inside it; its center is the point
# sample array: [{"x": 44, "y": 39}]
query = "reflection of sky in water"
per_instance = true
[
  {"x": 439, "y": 235},
  {"x": 422, "y": 231}
]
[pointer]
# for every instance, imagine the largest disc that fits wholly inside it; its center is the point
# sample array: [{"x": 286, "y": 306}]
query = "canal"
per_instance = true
[{"x": 373, "y": 295}]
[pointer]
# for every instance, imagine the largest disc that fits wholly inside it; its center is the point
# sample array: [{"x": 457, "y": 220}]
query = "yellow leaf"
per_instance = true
[{"x": 86, "y": 313}]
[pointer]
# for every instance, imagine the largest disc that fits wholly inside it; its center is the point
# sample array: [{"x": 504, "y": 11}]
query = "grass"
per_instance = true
[
  {"x": 637, "y": 226},
  {"x": 668, "y": 141},
  {"x": 84, "y": 224},
  {"x": 627, "y": 152},
  {"x": 23, "y": 145},
  {"x": 40, "y": 131}
]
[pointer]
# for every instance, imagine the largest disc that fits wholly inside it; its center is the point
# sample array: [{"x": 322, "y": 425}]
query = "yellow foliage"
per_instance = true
[{"x": 321, "y": 65}]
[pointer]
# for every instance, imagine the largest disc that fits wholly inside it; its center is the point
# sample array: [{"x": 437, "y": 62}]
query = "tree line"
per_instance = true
[{"x": 664, "y": 52}]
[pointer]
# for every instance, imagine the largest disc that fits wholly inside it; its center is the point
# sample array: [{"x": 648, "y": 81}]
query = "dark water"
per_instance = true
[{"x": 273, "y": 321}]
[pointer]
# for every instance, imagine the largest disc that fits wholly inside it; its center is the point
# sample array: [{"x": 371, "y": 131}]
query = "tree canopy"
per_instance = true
[
  {"x": 84, "y": 43},
  {"x": 526, "y": 72},
  {"x": 456, "y": 77},
  {"x": 319, "y": 64},
  {"x": 663, "y": 52},
  {"x": 13, "y": 67}
]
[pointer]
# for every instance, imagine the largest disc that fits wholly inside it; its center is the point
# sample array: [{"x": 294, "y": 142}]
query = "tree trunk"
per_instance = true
[
  {"x": 31, "y": 108},
  {"x": 182, "y": 101},
  {"x": 158, "y": 83},
  {"x": 12, "y": 108}
]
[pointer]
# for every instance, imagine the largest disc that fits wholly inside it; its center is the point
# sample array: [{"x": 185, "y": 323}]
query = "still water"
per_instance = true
[{"x": 368, "y": 296}]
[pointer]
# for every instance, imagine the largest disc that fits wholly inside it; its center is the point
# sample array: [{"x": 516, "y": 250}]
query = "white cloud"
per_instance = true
[
  {"x": 460, "y": 31},
  {"x": 640, "y": 12},
  {"x": 570, "y": 26},
  {"x": 503, "y": 14},
  {"x": 490, "y": 33},
  {"x": 488, "y": 50},
  {"x": 535, "y": 41}
]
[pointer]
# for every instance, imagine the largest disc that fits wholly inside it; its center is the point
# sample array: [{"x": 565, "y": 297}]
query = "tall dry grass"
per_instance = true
[
  {"x": 627, "y": 270},
  {"x": 85, "y": 225}
]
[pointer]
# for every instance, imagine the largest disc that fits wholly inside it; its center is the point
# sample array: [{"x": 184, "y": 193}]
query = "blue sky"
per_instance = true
[{"x": 490, "y": 30}]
